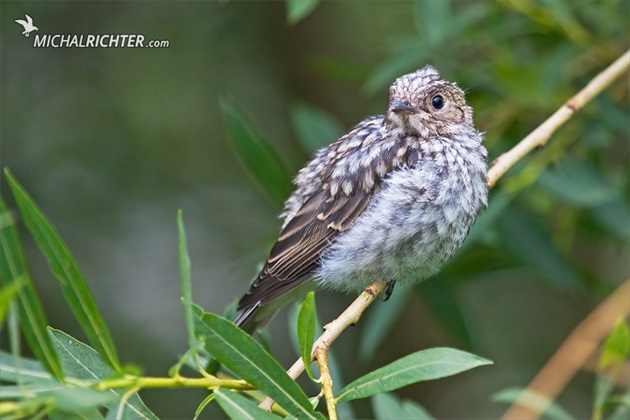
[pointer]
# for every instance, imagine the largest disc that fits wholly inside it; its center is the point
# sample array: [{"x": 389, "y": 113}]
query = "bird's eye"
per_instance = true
[{"x": 437, "y": 102}]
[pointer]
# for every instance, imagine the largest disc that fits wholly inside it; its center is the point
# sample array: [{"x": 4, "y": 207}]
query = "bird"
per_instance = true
[
  {"x": 391, "y": 200},
  {"x": 28, "y": 25}
]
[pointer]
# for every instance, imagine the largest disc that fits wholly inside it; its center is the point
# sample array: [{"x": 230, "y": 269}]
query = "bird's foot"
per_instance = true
[{"x": 390, "y": 289}]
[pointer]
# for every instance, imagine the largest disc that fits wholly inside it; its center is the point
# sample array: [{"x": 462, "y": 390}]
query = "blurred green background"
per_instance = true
[{"x": 111, "y": 142}]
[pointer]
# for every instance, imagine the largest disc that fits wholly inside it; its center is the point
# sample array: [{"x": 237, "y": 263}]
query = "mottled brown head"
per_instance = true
[{"x": 425, "y": 105}]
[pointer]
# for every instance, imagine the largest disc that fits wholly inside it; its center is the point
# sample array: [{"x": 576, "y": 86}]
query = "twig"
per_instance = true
[
  {"x": 573, "y": 353},
  {"x": 502, "y": 164},
  {"x": 541, "y": 135},
  {"x": 350, "y": 316},
  {"x": 143, "y": 382},
  {"x": 322, "y": 361}
]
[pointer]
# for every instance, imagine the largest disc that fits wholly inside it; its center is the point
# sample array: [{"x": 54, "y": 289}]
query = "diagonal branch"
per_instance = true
[{"x": 543, "y": 132}]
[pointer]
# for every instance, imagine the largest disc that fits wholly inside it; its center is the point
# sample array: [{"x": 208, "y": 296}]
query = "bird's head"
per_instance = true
[{"x": 425, "y": 105}]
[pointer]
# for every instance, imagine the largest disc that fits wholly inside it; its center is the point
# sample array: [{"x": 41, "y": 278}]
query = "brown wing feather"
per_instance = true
[{"x": 296, "y": 254}]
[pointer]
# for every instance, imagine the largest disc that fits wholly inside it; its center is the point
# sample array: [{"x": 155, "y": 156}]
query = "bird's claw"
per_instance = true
[{"x": 389, "y": 290}]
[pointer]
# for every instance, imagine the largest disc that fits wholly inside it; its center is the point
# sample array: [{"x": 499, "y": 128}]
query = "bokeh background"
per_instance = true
[{"x": 111, "y": 142}]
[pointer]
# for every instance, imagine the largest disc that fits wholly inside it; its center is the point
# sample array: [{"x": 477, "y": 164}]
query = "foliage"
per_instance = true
[{"x": 89, "y": 386}]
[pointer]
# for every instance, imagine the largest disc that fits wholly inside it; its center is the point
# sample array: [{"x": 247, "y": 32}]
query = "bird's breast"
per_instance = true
[{"x": 416, "y": 221}]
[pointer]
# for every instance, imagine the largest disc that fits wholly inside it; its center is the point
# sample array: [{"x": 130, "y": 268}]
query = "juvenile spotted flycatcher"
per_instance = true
[{"x": 391, "y": 200}]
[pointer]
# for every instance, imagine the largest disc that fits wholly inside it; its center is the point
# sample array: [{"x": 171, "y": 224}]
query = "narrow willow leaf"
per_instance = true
[
  {"x": 614, "y": 353},
  {"x": 616, "y": 346},
  {"x": 421, "y": 366},
  {"x": 533, "y": 400},
  {"x": 184, "y": 270},
  {"x": 238, "y": 407},
  {"x": 240, "y": 353},
  {"x": 387, "y": 406},
  {"x": 65, "y": 268},
  {"x": 76, "y": 400},
  {"x": 30, "y": 310},
  {"x": 299, "y": 9},
  {"x": 203, "y": 405},
  {"x": 7, "y": 294},
  {"x": 379, "y": 321},
  {"x": 306, "y": 330},
  {"x": 90, "y": 414},
  {"x": 80, "y": 361},
  {"x": 256, "y": 154},
  {"x": 29, "y": 370},
  {"x": 28, "y": 390}
]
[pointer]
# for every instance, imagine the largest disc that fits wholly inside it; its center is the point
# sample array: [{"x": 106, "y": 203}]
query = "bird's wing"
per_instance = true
[
  {"x": 21, "y": 22},
  {"x": 296, "y": 254},
  {"x": 29, "y": 20}
]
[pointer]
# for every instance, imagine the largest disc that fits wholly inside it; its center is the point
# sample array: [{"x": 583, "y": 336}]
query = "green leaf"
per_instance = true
[
  {"x": 256, "y": 154},
  {"x": 421, "y": 366},
  {"x": 82, "y": 362},
  {"x": 241, "y": 354},
  {"x": 65, "y": 268},
  {"x": 387, "y": 406},
  {"x": 617, "y": 346},
  {"x": 344, "y": 411},
  {"x": 7, "y": 294},
  {"x": 31, "y": 312},
  {"x": 28, "y": 390},
  {"x": 533, "y": 400},
  {"x": 184, "y": 270},
  {"x": 306, "y": 330},
  {"x": 75, "y": 400},
  {"x": 203, "y": 405},
  {"x": 299, "y": 9},
  {"x": 78, "y": 360},
  {"x": 29, "y": 370},
  {"x": 380, "y": 320},
  {"x": 238, "y": 407},
  {"x": 315, "y": 127}
]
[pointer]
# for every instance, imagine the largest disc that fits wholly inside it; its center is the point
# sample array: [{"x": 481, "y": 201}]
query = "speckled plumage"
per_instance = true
[{"x": 391, "y": 200}]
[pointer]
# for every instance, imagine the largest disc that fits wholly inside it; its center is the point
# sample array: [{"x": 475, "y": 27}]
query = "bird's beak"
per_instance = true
[{"x": 401, "y": 107}]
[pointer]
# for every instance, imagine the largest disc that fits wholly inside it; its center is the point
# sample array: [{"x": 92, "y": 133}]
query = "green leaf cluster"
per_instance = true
[{"x": 74, "y": 378}]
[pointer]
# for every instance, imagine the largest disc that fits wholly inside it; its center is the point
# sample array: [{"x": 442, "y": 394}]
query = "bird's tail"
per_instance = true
[{"x": 257, "y": 316}]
